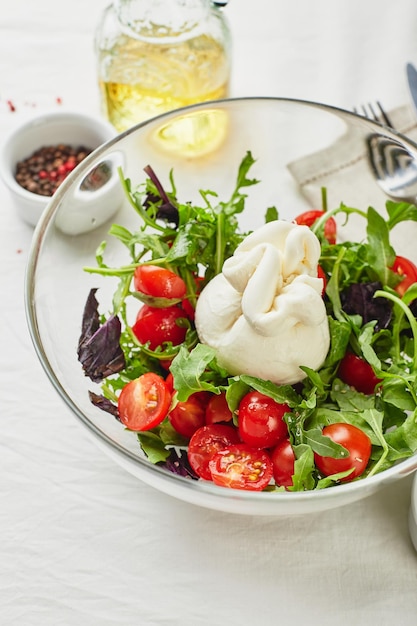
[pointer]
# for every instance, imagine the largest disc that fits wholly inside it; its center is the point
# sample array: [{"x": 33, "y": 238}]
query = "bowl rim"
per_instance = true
[
  {"x": 402, "y": 469},
  {"x": 77, "y": 118}
]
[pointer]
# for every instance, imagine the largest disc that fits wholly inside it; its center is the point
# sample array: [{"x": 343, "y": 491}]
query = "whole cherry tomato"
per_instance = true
[
  {"x": 261, "y": 421},
  {"x": 188, "y": 416},
  {"x": 144, "y": 402},
  {"x": 309, "y": 217},
  {"x": 204, "y": 444},
  {"x": 241, "y": 467},
  {"x": 158, "y": 282},
  {"x": 283, "y": 459},
  {"x": 158, "y": 325},
  {"x": 217, "y": 409},
  {"x": 357, "y": 444},
  {"x": 357, "y": 373},
  {"x": 407, "y": 270}
]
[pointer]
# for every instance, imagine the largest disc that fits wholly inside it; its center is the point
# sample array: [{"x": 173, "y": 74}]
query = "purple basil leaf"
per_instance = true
[
  {"x": 358, "y": 299},
  {"x": 179, "y": 464},
  {"x": 104, "y": 404},
  {"x": 99, "y": 350},
  {"x": 166, "y": 211},
  {"x": 91, "y": 321}
]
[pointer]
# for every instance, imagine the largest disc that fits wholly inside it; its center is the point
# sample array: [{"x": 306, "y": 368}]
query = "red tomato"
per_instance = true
[
  {"x": 405, "y": 268},
  {"x": 144, "y": 402},
  {"x": 321, "y": 274},
  {"x": 187, "y": 417},
  {"x": 165, "y": 364},
  {"x": 186, "y": 304},
  {"x": 357, "y": 373},
  {"x": 217, "y": 409},
  {"x": 241, "y": 467},
  {"x": 204, "y": 444},
  {"x": 356, "y": 442},
  {"x": 283, "y": 459},
  {"x": 188, "y": 308},
  {"x": 260, "y": 420},
  {"x": 169, "y": 380},
  {"x": 309, "y": 217},
  {"x": 158, "y": 325},
  {"x": 158, "y": 282}
]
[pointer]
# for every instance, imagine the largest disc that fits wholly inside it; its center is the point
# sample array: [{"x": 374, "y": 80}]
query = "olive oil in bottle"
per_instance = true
[{"x": 156, "y": 56}]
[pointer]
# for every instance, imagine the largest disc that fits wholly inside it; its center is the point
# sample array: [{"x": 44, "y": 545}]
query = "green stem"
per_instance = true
[
  {"x": 324, "y": 199},
  {"x": 411, "y": 319},
  {"x": 333, "y": 288},
  {"x": 111, "y": 271},
  {"x": 189, "y": 280},
  {"x": 319, "y": 224},
  {"x": 381, "y": 459},
  {"x": 138, "y": 208},
  {"x": 220, "y": 244}
]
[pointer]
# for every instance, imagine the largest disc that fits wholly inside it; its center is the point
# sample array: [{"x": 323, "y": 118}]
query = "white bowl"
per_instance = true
[
  {"x": 52, "y": 128},
  {"x": 412, "y": 519},
  {"x": 277, "y": 132}
]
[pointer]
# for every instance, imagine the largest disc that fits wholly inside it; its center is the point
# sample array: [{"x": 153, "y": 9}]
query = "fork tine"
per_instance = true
[
  {"x": 370, "y": 112},
  {"x": 384, "y": 114},
  {"x": 379, "y": 116}
]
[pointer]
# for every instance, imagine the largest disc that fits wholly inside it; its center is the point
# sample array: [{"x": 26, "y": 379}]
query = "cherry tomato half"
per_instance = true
[
  {"x": 309, "y": 217},
  {"x": 356, "y": 442},
  {"x": 188, "y": 416},
  {"x": 204, "y": 444},
  {"x": 144, "y": 402},
  {"x": 158, "y": 282},
  {"x": 407, "y": 270},
  {"x": 357, "y": 373},
  {"x": 241, "y": 467},
  {"x": 158, "y": 325},
  {"x": 261, "y": 421},
  {"x": 283, "y": 459},
  {"x": 217, "y": 409}
]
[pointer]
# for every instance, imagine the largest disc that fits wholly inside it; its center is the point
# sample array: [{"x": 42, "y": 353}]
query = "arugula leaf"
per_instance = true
[
  {"x": 283, "y": 394},
  {"x": 324, "y": 446},
  {"x": 327, "y": 481},
  {"x": 271, "y": 215},
  {"x": 304, "y": 469},
  {"x": 400, "y": 212},
  {"x": 153, "y": 446},
  {"x": 235, "y": 391},
  {"x": 375, "y": 420},
  {"x": 381, "y": 254},
  {"x": 405, "y": 436},
  {"x": 196, "y": 371}
]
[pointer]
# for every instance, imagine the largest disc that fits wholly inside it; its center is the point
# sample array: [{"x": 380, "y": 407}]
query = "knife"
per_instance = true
[{"x": 412, "y": 83}]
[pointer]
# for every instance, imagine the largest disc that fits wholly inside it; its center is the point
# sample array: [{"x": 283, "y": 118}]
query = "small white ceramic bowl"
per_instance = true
[{"x": 49, "y": 129}]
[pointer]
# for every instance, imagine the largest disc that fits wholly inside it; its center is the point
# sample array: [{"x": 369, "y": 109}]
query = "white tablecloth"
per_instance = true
[{"x": 84, "y": 543}]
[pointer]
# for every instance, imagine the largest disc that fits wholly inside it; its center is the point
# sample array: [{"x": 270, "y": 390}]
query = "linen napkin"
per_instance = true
[{"x": 343, "y": 169}]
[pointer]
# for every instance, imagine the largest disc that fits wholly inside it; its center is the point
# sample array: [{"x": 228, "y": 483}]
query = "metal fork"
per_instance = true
[
  {"x": 376, "y": 113},
  {"x": 393, "y": 165}
]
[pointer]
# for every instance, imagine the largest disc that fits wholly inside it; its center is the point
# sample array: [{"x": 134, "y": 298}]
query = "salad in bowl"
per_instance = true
[
  {"x": 277, "y": 359},
  {"x": 226, "y": 342}
]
